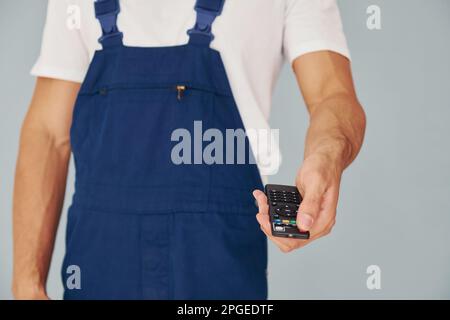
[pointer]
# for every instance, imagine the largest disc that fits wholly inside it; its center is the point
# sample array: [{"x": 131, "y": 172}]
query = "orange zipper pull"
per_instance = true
[{"x": 180, "y": 90}]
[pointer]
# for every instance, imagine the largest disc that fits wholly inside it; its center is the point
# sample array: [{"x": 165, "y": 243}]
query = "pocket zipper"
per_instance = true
[{"x": 180, "y": 90}]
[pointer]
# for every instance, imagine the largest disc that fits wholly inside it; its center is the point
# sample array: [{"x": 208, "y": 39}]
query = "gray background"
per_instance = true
[{"x": 394, "y": 210}]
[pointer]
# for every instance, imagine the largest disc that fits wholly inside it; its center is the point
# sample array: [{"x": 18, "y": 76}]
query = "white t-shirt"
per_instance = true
[{"x": 253, "y": 37}]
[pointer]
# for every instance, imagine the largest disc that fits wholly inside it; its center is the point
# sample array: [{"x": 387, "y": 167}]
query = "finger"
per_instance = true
[
  {"x": 325, "y": 230},
  {"x": 309, "y": 209},
  {"x": 318, "y": 235},
  {"x": 263, "y": 219},
  {"x": 261, "y": 199},
  {"x": 327, "y": 215}
]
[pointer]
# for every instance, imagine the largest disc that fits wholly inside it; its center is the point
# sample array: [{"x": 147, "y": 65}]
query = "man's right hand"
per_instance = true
[{"x": 40, "y": 183}]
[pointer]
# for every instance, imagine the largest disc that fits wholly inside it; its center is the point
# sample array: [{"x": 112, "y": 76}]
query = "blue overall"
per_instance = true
[{"x": 142, "y": 226}]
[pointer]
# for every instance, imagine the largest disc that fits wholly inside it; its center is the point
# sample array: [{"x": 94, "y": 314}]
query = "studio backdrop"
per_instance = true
[{"x": 392, "y": 234}]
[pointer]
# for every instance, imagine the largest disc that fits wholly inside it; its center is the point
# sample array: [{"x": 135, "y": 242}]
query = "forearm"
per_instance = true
[
  {"x": 336, "y": 130},
  {"x": 38, "y": 198}
]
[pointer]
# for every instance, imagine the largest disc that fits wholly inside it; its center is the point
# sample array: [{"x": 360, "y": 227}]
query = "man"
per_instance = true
[{"x": 141, "y": 227}]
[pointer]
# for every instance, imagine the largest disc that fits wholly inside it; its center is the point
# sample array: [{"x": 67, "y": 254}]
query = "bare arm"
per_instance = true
[
  {"x": 40, "y": 183},
  {"x": 335, "y": 136},
  {"x": 337, "y": 120}
]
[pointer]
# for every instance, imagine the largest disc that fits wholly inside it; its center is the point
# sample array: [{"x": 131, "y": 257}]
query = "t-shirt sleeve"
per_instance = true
[
  {"x": 63, "y": 54},
  {"x": 313, "y": 25}
]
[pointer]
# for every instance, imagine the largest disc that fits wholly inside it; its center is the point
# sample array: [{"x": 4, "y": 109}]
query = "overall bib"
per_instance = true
[{"x": 142, "y": 226}]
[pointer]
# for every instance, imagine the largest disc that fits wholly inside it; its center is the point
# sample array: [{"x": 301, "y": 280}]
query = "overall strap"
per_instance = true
[
  {"x": 207, "y": 12},
  {"x": 106, "y": 11}
]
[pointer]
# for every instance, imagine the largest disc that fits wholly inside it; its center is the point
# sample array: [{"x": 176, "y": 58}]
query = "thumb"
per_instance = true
[{"x": 309, "y": 209}]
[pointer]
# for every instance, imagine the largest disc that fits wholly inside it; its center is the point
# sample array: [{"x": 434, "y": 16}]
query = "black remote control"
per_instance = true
[{"x": 284, "y": 202}]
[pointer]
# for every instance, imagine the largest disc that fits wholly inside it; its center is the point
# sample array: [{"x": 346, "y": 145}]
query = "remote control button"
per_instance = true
[
  {"x": 289, "y": 212},
  {"x": 289, "y": 215},
  {"x": 274, "y": 204},
  {"x": 279, "y": 228}
]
